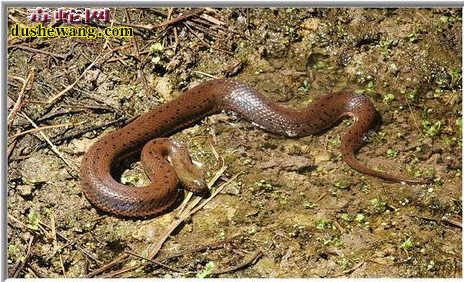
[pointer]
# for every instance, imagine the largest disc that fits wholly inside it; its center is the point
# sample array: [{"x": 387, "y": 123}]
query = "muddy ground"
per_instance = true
[{"x": 297, "y": 210}]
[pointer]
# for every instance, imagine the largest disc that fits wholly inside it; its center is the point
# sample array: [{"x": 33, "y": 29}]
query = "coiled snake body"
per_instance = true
[{"x": 209, "y": 98}]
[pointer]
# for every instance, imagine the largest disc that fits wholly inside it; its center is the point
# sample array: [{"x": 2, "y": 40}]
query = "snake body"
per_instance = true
[{"x": 206, "y": 99}]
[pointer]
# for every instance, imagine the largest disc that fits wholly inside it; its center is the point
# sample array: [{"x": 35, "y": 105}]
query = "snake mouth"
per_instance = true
[
  {"x": 199, "y": 187},
  {"x": 206, "y": 193}
]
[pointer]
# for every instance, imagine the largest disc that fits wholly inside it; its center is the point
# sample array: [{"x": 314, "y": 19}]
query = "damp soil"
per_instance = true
[{"x": 296, "y": 202}]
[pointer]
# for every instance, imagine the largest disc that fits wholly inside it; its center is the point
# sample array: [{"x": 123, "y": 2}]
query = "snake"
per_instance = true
[{"x": 168, "y": 164}]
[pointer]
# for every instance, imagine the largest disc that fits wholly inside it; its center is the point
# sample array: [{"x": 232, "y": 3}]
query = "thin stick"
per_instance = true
[
  {"x": 53, "y": 230},
  {"x": 47, "y": 127},
  {"x": 205, "y": 74},
  {"x": 212, "y": 19},
  {"x": 117, "y": 272},
  {"x": 247, "y": 262},
  {"x": 18, "y": 103},
  {"x": 158, "y": 263},
  {"x": 211, "y": 246},
  {"x": 11, "y": 146},
  {"x": 107, "y": 266},
  {"x": 176, "y": 39},
  {"x": 218, "y": 174},
  {"x": 32, "y": 272},
  {"x": 321, "y": 196},
  {"x": 215, "y": 153},
  {"x": 343, "y": 230},
  {"x": 204, "y": 43},
  {"x": 348, "y": 271},
  {"x": 446, "y": 220},
  {"x": 23, "y": 226},
  {"x": 414, "y": 118},
  {"x": 183, "y": 205},
  {"x": 22, "y": 80},
  {"x": 139, "y": 59},
  {"x": 53, "y": 147},
  {"x": 91, "y": 128},
  {"x": 54, "y": 55},
  {"x": 69, "y": 87},
  {"x": 62, "y": 266},
  {"x": 13, "y": 18},
  {"x": 151, "y": 27},
  {"x": 23, "y": 262}
]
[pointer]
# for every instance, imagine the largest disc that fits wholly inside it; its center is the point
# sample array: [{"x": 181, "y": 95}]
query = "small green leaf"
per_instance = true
[
  {"x": 343, "y": 264},
  {"x": 370, "y": 86},
  {"x": 157, "y": 47},
  {"x": 392, "y": 153},
  {"x": 359, "y": 217},
  {"x": 321, "y": 224},
  {"x": 307, "y": 204},
  {"x": 337, "y": 242},
  {"x": 407, "y": 245},
  {"x": 388, "y": 97},
  {"x": 343, "y": 184},
  {"x": 130, "y": 179},
  {"x": 33, "y": 220},
  {"x": 209, "y": 267},
  {"x": 346, "y": 217},
  {"x": 432, "y": 129}
]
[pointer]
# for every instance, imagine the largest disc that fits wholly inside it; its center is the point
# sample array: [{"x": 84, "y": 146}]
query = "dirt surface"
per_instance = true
[{"x": 297, "y": 210}]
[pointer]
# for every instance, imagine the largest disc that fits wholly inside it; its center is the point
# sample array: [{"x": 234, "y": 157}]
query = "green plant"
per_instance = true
[{"x": 209, "y": 267}]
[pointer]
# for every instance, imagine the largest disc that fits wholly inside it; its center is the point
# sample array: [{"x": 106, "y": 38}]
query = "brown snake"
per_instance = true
[{"x": 209, "y": 98}]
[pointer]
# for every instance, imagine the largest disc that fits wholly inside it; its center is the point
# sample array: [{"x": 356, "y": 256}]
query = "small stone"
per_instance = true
[
  {"x": 231, "y": 190},
  {"x": 24, "y": 190},
  {"x": 164, "y": 87}
]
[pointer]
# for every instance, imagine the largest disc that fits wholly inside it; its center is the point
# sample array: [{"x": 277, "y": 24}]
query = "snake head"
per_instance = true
[
  {"x": 197, "y": 186},
  {"x": 190, "y": 176},
  {"x": 192, "y": 180}
]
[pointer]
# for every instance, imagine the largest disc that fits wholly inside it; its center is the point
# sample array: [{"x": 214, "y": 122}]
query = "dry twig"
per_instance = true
[
  {"x": 158, "y": 263},
  {"x": 348, "y": 271},
  {"x": 69, "y": 87},
  {"x": 21, "y": 263},
  {"x": 47, "y": 127},
  {"x": 88, "y": 129},
  {"x": 53, "y": 147},
  {"x": 118, "y": 260},
  {"x": 151, "y": 27},
  {"x": 252, "y": 259},
  {"x": 140, "y": 75},
  {"x": 19, "y": 101},
  {"x": 451, "y": 222},
  {"x": 54, "y": 55},
  {"x": 414, "y": 118}
]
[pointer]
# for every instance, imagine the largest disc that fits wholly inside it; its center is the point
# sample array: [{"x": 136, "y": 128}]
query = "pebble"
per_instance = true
[{"x": 24, "y": 190}]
